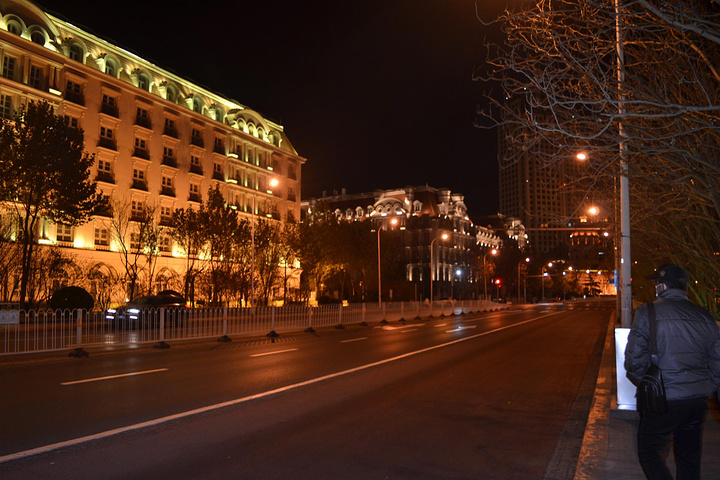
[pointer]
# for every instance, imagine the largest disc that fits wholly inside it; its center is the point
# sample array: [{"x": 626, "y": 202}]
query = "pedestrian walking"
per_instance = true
[{"x": 688, "y": 354}]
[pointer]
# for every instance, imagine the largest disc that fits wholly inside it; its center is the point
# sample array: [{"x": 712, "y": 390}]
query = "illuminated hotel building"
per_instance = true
[
  {"x": 159, "y": 140},
  {"x": 423, "y": 214}
]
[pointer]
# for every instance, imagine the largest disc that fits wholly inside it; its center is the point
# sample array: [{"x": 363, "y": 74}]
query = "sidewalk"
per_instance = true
[{"x": 609, "y": 450}]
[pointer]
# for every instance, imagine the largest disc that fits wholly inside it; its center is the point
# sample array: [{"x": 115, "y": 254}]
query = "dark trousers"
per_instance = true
[{"x": 684, "y": 421}]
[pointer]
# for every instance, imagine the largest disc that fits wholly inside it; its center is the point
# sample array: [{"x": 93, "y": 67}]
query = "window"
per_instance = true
[
  {"x": 6, "y": 110},
  {"x": 144, "y": 81},
  {"x": 102, "y": 237},
  {"x": 104, "y": 166},
  {"x": 9, "y": 64},
  {"x": 38, "y": 37},
  {"x": 140, "y": 143},
  {"x": 168, "y": 152},
  {"x": 165, "y": 213},
  {"x": 76, "y": 52},
  {"x": 137, "y": 208},
  {"x": 195, "y": 166},
  {"x": 219, "y": 145},
  {"x": 14, "y": 28},
  {"x": 165, "y": 244},
  {"x": 217, "y": 168},
  {"x": 109, "y": 105},
  {"x": 196, "y": 138},
  {"x": 170, "y": 128},
  {"x": 35, "y": 78},
  {"x": 64, "y": 233},
  {"x": 71, "y": 121},
  {"x": 106, "y": 133},
  {"x": 167, "y": 182},
  {"x": 142, "y": 117},
  {"x": 135, "y": 241},
  {"x": 194, "y": 189},
  {"x": 111, "y": 67},
  {"x": 139, "y": 175},
  {"x": 73, "y": 92}
]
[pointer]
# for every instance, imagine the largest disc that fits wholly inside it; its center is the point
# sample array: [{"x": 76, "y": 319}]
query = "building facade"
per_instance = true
[
  {"x": 159, "y": 140},
  {"x": 422, "y": 216}
]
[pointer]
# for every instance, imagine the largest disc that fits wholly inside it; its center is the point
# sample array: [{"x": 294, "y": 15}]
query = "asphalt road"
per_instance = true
[{"x": 496, "y": 395}]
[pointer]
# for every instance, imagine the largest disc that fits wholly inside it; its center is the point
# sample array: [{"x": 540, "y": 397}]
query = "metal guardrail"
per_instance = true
[{"x": 35, "y": 331}]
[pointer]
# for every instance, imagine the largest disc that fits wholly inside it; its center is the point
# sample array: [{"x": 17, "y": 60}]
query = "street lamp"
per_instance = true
[
  {"x": 458, "y": 272},
  {"x": 542, "y": 280},
  {"x": 394, "y": 221},
  {"x": 274, "y": 182},
  {"x": 494, "y": 252},
  {"x": 444, "y": 236},
  {"x": 527, "y": 260}
]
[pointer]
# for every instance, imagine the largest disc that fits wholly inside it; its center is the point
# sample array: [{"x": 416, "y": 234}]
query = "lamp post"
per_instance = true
[
  {"x": 542, "y": 280},
  {"x": 394, "y": 221},
  {"x": 527, "y": 260},
  {"x": 494, "y": 252},
  {"x": 444, "y": 236},
  {"x": 273, "y": 183},
  {"x": 458, "y": 273}
]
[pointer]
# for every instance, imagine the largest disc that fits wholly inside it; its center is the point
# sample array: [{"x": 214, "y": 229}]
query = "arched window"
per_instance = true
[
  {"x": 171, "y": 94},
  {"x": 144, "y": 81},
  {"x": 111, "y": 67},
  {"x": 197, "y": 104},
  {"x": 14, "y": 27},
  {"x": 38, "y": 37},
  {"x": 77, "y": 52}
]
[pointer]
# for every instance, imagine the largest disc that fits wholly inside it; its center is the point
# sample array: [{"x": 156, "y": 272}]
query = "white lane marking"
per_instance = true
[
  {"x": 274, "y": 352},
  {"x": 411, "y": 330},
  {"x": 461, "y": 327},
  {"x": 110, "y": 377},
  {"x": 353, "y": 340},
  {"x": 441, "y": 325},
  {"x": 237, "y": 401}
]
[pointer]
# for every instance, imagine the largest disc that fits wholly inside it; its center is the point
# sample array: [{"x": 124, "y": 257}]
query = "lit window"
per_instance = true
[
  {"x": 35, "y": 78},
  {"x": 9, "y": 67},
  {"x": 64, "y": 233},
  {"x": 6, "y": 110},
  {"x": 102, "y": 237}
]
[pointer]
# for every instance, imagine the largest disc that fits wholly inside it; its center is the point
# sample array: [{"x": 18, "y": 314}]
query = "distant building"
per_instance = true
[
  {"x": 158, "y": 138},
  {"x": 534, "y": 192},
  {"x": 424, "y": 214}
]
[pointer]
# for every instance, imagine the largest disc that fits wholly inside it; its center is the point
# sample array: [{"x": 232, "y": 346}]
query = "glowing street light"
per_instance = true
[
  {"x": 494, "y": 253},
  {"x": 444, "y": 236},
  {"x": 394, "y": 221},
  {"x": 274, "y": 182}
]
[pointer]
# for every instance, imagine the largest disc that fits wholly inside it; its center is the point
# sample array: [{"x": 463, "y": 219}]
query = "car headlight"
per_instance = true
[{"x": 133, "y": 311}]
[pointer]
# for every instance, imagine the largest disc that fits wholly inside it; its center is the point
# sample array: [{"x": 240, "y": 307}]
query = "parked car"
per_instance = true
[{"x": 145, "y": 311}]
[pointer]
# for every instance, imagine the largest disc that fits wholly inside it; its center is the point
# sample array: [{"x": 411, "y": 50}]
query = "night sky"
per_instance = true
[{"x": 373, "y": 93}]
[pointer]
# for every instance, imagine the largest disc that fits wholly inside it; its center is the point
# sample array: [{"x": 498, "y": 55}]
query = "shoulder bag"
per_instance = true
[{"x": 651, "y": 390}]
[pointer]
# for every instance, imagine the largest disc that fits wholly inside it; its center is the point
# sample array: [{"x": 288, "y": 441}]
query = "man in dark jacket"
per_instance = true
[{"x": 688, "y": 343}]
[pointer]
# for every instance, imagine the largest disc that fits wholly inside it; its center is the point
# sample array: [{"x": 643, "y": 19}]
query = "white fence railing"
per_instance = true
[{"x": 28, "y": 331}]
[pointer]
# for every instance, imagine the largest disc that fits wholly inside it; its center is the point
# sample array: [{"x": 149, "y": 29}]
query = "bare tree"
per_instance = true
[
  {"x": 134, "y": 231},
  {"x": 636, "y": 81}
]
